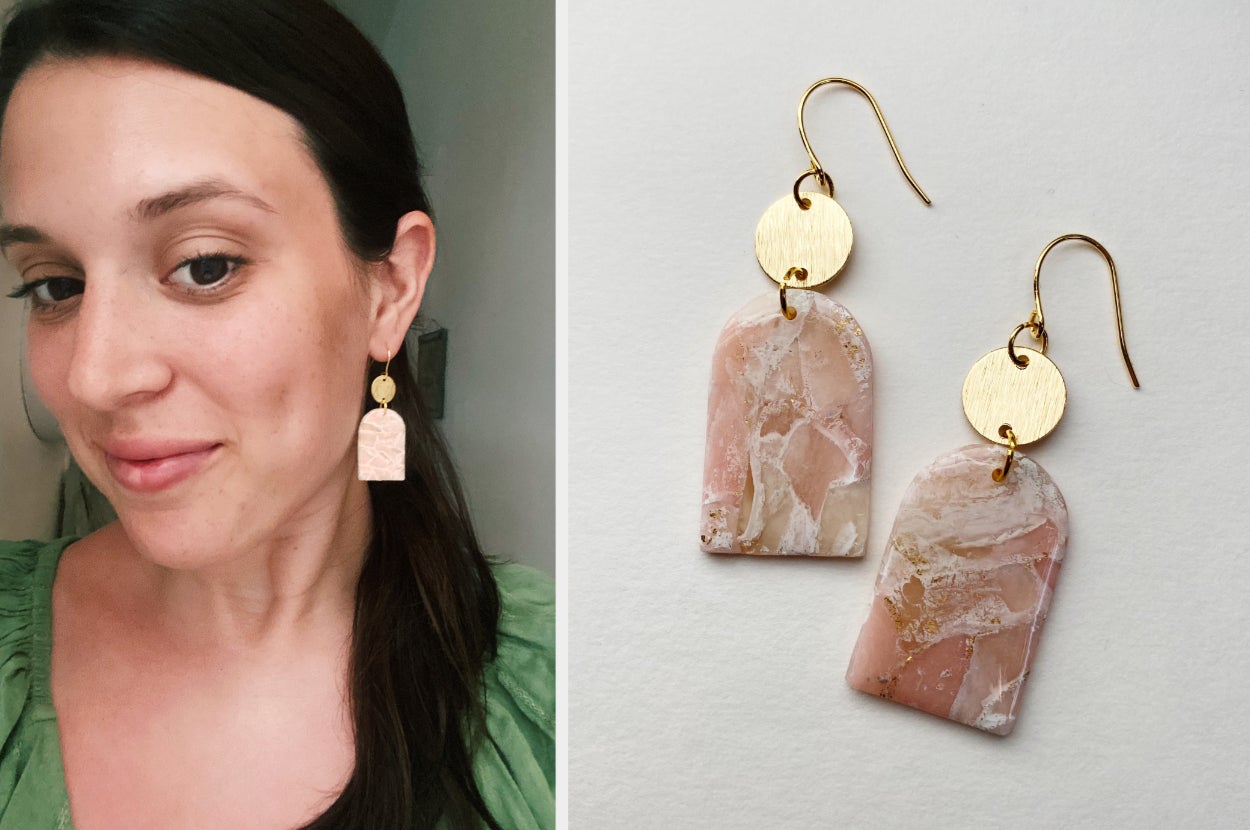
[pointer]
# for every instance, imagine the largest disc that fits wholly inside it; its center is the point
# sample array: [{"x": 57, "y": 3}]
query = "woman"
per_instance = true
[{"x": 216, "y": 213}]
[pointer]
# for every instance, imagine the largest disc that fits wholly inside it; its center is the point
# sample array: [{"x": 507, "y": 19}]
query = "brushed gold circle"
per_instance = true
[
  {"x": 383, "y": 389},
  {"x": 813, "y": 244},
  {"x": 1030, "y": 400}
]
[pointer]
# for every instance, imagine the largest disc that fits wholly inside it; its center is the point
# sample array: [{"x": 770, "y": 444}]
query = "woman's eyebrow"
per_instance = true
[
  {"x": 194, "y": 193},
  {"x": 16, "y": 234},
  {"x": 148, "y": 209}
]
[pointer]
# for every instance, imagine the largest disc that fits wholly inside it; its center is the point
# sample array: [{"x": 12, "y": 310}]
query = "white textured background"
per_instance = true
[{"x": 708, "y": 692}]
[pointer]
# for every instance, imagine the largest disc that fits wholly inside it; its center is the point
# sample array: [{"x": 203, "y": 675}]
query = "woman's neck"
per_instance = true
[{"x": 267, "y": 594}]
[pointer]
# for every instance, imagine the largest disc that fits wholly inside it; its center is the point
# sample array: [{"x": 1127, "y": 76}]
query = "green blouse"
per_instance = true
[{"x": 515, "y": 765}]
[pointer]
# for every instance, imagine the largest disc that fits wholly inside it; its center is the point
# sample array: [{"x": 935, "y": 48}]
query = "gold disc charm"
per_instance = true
[
  {"x": 383, "y": 389},
  {"x": 801, "y": 248},
  {"x": 1029, "y": 399}
]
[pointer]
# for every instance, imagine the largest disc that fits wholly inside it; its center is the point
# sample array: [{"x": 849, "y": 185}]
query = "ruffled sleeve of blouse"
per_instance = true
[
  {"x": 32, "y": 783},
  {"x": 515, "y": 766}
]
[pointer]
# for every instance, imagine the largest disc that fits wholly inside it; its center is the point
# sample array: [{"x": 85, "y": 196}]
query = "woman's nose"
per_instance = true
[{"x": 117, "y": 355}]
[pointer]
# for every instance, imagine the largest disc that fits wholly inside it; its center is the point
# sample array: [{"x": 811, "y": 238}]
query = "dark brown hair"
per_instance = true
[{"x": 427, "y": 606}]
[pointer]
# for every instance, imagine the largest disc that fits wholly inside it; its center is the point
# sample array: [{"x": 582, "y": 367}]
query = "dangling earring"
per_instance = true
[
  {"x": 789, "y": 433},
  {"x": 380, "y": 440},
  {"x": 970, "y": 568}
]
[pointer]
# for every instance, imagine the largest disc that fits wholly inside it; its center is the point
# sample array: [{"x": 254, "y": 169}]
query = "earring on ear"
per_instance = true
[
  {"x": 380, "y": 439},
  {"x": 789, "y": 432},
  {"x": 968, "y": 575}
]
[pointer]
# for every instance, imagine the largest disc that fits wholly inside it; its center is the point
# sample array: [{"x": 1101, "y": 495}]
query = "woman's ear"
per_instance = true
[{"x": 398, "y": 283}]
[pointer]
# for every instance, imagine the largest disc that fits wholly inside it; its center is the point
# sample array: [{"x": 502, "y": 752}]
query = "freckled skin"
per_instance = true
[
  {"x": 200, "y": 644},
  {"x": 262, "y": 370}
]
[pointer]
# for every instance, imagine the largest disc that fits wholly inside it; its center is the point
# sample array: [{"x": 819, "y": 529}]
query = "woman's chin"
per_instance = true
[{"x": 178, "y": 539}]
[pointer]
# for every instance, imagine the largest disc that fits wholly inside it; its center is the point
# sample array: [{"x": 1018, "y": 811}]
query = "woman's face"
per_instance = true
[{"x": 198, "y": 326}]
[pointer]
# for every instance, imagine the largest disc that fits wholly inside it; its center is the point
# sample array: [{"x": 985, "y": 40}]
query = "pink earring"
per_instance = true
[
  {"x": 380, "y": 439},
  {"x": 789, "y": 430},
  {"x": 970, "y": 568}
]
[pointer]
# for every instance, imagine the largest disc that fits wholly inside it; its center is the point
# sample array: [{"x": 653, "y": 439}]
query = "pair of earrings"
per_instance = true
[{"x": 970, "y": 567}]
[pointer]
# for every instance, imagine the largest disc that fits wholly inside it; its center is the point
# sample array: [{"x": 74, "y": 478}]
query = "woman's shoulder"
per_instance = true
[
  {"x": 26, "y": 572},
  {"x": 525, "y": 663},
  {"x": 19, "y": 566},
  {"x": 527, "y": 600},
  {"x": 31, "y": 790},
  {"x": 27, "y": 551},
  {"x": 515, "y": 767}
]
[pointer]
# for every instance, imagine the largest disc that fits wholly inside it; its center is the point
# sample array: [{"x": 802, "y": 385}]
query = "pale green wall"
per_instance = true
[
  {"x": 479, "y": 77},
  {"x": 29, "y": 469},
  {"x": 372, "y": 16}
]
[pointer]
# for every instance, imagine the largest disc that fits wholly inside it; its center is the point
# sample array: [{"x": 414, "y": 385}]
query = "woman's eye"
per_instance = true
[
  {"x": 50, "y": 290},
  {"x": 205, "y": 271},
  {"x": 56, "y": 289}
]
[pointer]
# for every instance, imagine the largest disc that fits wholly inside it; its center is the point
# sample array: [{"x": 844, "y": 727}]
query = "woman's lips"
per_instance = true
[{"x": 152, "y": 467}]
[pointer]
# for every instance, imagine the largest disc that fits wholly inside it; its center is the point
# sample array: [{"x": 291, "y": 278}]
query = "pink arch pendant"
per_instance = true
[
  {"x": 964, "y": 588},
  {"x": 380, "y": 446},
  {"x": 789, "y": 432}
]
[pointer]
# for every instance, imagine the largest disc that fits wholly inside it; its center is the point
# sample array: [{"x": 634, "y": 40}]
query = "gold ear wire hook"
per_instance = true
[
  {"x": 819, "y": 172},
  {"x": 1037, "y": 320},
  {"x": 386, "y": 373}
]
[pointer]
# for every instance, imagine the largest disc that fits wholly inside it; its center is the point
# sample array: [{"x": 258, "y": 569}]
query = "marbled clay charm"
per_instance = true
[
  {"x": 964, "y": 588},
  {"x": 380, "y": 446},
  {"x": 789, "y": 432}
]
